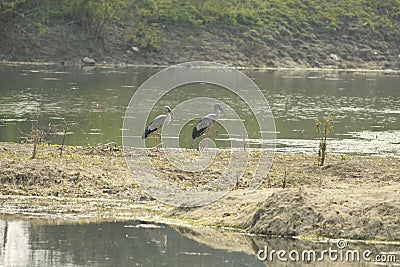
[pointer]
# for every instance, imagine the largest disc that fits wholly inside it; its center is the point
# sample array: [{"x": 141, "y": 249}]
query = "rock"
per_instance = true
[
  {"x": 334, "y": 57},
  {"x": 88, "y": 61},
  {"x": 135, "y": 49},
  {"x": 87, "y": 67}
]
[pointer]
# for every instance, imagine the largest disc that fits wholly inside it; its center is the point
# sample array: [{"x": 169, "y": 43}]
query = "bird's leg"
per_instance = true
[
  {"x": 157, "y": 136},
  {"x": 192, "y": 144},
  {"x": 207, "y": 138},
  {"x": 199, "y": 145}
]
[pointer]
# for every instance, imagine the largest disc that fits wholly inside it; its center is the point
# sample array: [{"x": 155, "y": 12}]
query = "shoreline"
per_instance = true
[
  {"x": 74, "y": 218},
  {"x": 356, "y": 199},
  {"x": 128, "y": 65}
]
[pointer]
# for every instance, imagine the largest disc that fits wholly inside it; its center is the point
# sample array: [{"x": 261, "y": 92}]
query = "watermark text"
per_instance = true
[{"x": 339, "y": 253}]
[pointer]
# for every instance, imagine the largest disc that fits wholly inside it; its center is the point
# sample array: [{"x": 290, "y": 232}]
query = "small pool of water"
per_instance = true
[{"x": 134, "y": 243}]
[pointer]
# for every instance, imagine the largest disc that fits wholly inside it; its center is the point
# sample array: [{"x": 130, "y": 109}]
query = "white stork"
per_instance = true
[
  {"x": 158, "y": 123},
  {"x": 206, "y": 122}
]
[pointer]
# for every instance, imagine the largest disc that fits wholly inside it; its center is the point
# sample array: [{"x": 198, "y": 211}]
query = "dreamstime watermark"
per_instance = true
[
  {"x": 338, "y": 254},
  {"x": 177, "y": 77}
]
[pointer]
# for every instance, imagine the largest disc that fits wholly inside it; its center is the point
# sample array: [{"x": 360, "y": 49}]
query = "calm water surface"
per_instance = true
[
  {"x": 365, "y": 106},
  {"x": 26, "y": 243},
  {"x": 33, "y": 243}
]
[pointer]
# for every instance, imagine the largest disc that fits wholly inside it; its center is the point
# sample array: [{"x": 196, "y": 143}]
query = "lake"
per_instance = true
[{"x": 365, "y": 106}]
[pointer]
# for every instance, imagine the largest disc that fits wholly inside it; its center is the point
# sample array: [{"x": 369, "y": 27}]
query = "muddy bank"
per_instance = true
[
  {"x": 355, "y": 197},
  {"x": 235, "y": 45},
  {"x": 252, "y": 244}
]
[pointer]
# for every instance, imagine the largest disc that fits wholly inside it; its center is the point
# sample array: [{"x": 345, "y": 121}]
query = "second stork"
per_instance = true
[{"x": 206, "y": 122}]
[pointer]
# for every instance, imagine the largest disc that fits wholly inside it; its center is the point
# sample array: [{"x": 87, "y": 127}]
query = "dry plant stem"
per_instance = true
[
  {"x": 36, "y": 134},
  {"x": 284, "y": 179},
  {"x": 323, "y": 135}
]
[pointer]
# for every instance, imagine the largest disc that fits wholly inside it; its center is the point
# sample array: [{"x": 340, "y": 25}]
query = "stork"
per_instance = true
[
  {"x": 206, "y": 122},
  {"x": 157, "y": 124}
]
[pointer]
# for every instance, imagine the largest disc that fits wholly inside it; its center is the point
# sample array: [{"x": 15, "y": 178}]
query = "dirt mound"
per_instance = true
[
  {"x": 366, "y": 169},
  {"x": 347, "y": 169},
  {"x": 284, "y": 213},
  {"x": 318, "y": 213},
  {"x": 379, "y": 221}
]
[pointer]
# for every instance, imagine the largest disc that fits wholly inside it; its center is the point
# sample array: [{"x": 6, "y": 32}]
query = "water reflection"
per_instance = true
[
  {"x": 94, "y": 101},
  {"x": 14, "y": 242},
  {"x": 36, "y": 243},
  {"x": 107, "y": 244}
]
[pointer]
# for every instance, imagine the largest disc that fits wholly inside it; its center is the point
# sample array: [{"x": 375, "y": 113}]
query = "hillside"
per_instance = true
[{"x": 252, "y": 33}]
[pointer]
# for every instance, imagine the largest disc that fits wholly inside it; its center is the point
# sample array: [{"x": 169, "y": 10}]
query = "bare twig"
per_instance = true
[
  {"x": 66, "y": 126},
  {"x": 284, "y": 179},
  {"x": 37, "y": 135}
]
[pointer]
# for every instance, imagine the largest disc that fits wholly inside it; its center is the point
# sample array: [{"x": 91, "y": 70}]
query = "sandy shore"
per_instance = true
[{"x": 353, "y": 197}]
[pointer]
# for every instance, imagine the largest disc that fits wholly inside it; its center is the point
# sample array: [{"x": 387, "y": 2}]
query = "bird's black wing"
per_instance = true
[
  {"x": 196, "y": 133},
  {"x": 147, "y": 131}
]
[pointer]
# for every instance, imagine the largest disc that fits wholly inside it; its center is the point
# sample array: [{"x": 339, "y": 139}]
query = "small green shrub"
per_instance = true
[{"x": 323, "y": 128}]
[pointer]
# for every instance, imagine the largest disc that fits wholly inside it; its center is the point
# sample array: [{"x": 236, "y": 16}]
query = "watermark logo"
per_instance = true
[
  {"x": 154, "y": 181},
  {"x": 341, "y": 244},
  {"x": 340, "y": 253}
]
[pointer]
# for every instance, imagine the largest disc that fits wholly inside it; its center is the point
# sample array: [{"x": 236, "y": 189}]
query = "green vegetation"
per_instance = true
[
  {"x": 140, "y": 20},
  {"x": 324, "y": 128}
]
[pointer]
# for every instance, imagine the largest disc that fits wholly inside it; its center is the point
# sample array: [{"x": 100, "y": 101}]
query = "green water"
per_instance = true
[{"x": 365, "y": 106}]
